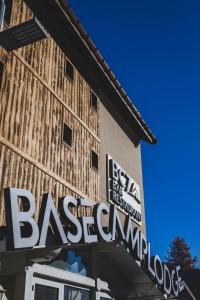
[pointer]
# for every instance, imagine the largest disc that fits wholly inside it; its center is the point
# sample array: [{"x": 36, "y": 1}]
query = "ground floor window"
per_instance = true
[
  {"x": 44, "y": 282},
  {"x": 44, "y": 289},
  {"x": 75, "y": 293},
  {"x": 45, "y": 292}
]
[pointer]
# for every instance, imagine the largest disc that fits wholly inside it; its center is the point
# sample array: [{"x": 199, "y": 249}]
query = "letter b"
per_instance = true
[{"x": 14, "y": 218}]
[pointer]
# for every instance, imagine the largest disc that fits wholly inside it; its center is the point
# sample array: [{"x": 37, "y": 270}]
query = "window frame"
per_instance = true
[
  {"x": 54, "y": 277},
  {"x": 5, "y": 13},
  {"x": 91, "y": 105},
  {"x": 66, "y": 75},
  {"x": 93, "y": 167},
  {"x": 72, "y": 137},
  {"x": 47, "y": 283}
]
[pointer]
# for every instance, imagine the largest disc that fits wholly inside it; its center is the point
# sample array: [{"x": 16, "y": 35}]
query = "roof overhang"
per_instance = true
[
  {"x": 142, "y": 286},
  {"x": 22, "y": 35}
]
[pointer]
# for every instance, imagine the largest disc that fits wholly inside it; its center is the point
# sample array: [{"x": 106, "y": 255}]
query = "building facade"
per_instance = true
[{"x": 67, "y": 128}]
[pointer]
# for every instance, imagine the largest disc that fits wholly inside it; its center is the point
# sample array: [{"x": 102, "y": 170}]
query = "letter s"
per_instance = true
[{"x": 64, "y": 204}]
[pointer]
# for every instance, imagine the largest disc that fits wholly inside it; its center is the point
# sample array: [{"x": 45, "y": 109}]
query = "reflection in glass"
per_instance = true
[
  {"x": 74, "y": 293},
  {"x": 69, "y": 261}
]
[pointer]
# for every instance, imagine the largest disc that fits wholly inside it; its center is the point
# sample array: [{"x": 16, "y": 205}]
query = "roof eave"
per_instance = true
[
  {"x": 147, "y": 135},
  {"x": 72, "y": 30}
]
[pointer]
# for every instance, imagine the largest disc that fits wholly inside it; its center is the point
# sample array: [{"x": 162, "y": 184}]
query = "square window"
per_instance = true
[
  {"x": 46, "y": 292},
  {"x": 93, "y": 100},
  {"x": 69, "y": 70},
  {"x": 67, "y": 135},
  {"x": 94, "y": 160}
]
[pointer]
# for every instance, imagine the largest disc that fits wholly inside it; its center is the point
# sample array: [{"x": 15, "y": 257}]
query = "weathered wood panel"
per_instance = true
[
  {"x": 48, "y": 60},
  {"x": 31, "y": 118},
  {"x": 17, "y": 172},
  {"x": 3, "y": 54},
  {"x": 36, "y": 98},
  {"x": 20, "y": 13}
]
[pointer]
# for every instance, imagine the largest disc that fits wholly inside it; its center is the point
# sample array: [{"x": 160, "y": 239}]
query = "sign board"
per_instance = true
[
  {"x": 68, "y": 229},
  {"x": 123, "y": 191}
]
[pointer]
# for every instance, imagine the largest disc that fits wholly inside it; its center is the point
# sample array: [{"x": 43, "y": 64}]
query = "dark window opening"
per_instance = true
[
  {"x": 45, "y": 292},
  {"x": 8, "y": 11},
  {"x": 1, "y": 73},
  {"x": 93, "y": 100},
  {"x": 69, "y": 70},
  {"x": 67, "y": 135},
  {"x": 94, "y": 160}
]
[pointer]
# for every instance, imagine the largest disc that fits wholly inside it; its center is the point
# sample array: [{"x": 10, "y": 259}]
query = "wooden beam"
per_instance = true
[{"x": 41, "y": 167}]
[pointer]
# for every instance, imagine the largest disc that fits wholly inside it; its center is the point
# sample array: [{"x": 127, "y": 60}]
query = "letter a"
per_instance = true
[{"x": 48, "y": 214}]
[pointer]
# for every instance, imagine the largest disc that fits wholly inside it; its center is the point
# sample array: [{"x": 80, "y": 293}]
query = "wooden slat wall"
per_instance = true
[
  {"x": 36, "y": 99},
  {"x": 48, "y": 60},
  {"x": 31, "y": 178},
  {"x": 20, "y": 12}
]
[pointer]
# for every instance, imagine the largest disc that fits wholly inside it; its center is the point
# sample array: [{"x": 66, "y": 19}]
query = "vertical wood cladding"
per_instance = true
[
  {"x": 31, "y": 178},
  {"x": 48, "y": 60},
  {"x": 36, "y": 98}
]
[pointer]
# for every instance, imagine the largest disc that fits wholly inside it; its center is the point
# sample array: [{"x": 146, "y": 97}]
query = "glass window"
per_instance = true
[
  {"x": 8, "y": 11},
  {"x": 5, "y": 12},
  {"x": 43, "y": 292},
  {"x": 94, "y": 160},
  {"x": 93, "y": 100},
  {"x": 69, "y": 70},
  {"x": 67, "y": 135},
  {"x": 75, "y": 293}
]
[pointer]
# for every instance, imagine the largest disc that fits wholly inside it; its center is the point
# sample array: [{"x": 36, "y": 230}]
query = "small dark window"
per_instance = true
[
  {"x": 46, "y": 292},
  {"x": 67, "y": 135},
  {"x": 69, "y": 70},
  {"x": 93, "y": 100},
  {"x": 1, "y": 72},
  {"x": 94, "y": 160},
  {"x": 8, "y": 11}
]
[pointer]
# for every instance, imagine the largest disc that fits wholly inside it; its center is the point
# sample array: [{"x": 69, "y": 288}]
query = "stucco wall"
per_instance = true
[{"x": 127, "y": 152}]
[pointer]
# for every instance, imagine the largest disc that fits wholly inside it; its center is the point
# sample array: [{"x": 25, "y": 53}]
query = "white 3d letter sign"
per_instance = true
[{"x": 24, "y": 232}]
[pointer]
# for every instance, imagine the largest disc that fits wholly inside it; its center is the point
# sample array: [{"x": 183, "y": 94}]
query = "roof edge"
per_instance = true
[
  {"x": 150, "y": 137},
  {"x": 144, "y": 132}
]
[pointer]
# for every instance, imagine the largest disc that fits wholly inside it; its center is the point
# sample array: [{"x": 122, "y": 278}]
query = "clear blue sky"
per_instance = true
[{"x": 153, "y": 47}]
